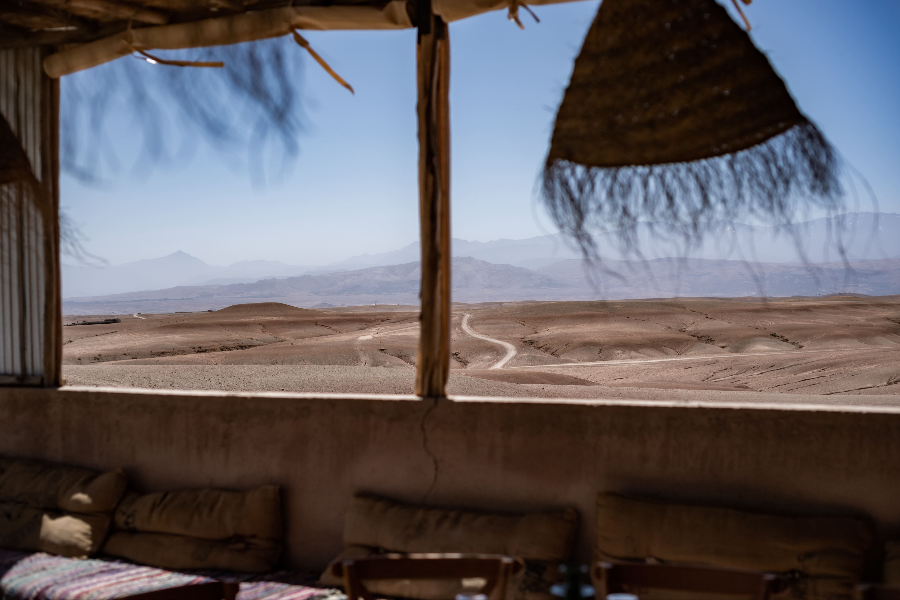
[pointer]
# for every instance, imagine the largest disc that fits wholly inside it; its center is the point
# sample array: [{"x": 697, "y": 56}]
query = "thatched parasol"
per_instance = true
[{"x": 673, "y": 117}]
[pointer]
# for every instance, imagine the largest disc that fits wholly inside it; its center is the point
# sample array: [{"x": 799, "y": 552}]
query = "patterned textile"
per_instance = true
[
  {"x": 41, "y": 576},
  {"x": 44, "y": 577}
]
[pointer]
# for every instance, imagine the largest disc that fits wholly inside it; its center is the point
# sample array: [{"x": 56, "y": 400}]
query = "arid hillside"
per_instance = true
[{"x": 834, "y": 345}]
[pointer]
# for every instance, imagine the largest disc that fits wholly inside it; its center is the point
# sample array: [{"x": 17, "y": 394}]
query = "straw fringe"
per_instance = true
[
  {"x": 252, "y": 104},
  {"x": 769, "y": 183}
]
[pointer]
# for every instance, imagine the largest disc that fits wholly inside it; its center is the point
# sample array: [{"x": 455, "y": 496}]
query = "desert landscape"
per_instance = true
[{"x": 830, "y": 350}]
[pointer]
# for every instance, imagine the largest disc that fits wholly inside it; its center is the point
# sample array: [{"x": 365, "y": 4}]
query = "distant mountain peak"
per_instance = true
[
  {"x": 864, "y": 238},
  {"x": 181, "y": 254}
]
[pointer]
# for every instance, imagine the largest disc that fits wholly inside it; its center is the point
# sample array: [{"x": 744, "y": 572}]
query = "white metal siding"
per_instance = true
[{"x": 23, "y": 289}]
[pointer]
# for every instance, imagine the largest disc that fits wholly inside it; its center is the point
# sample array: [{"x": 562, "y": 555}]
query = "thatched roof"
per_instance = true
[{"x": 175, "y": 24}]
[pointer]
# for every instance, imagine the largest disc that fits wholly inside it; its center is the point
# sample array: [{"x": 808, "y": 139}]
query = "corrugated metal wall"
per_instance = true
[{"x": 28, "y": 281}]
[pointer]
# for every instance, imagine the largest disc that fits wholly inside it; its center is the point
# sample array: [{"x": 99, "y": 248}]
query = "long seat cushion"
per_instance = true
[
  {"x": 375, "y": 525},
  {"x": 54, "y": 508},
  {"x": 200, "y": 529},
  {"x": 205, "y": 513},
  {"x": 43, "y": 577},
  {"x": 824, "y": 555}
]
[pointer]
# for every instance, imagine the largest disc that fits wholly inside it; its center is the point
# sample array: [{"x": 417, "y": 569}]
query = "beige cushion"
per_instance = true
[
  {"x": 207, "y": 513},
  {"x": 382, "y": 523},
  {"x": 182, "y": 552},
  {"x": 55, "y": 487},
  {"x": 828, "y": 551},
  {"x": 376, "y": 525},
  {"x": 54, "y": 508},
  {"x": 200, "y": 529},
  {"x": 35, "y": 530},
  {"x": 891, "y": 574}
]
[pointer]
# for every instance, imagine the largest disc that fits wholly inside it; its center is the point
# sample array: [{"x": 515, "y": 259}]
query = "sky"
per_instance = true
[{"x": 352, "y": 189}]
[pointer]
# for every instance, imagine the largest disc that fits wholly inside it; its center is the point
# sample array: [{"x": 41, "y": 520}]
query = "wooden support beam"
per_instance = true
[
  {"x": 433, "y": 58},
  {"x": 52, "y": 272}
]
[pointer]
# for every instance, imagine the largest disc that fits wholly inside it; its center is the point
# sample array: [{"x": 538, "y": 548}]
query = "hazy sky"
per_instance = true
[{"x": 353, "y": 188}]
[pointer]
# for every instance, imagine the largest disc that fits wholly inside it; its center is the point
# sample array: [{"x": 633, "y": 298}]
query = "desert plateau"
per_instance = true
[{"x": 828, "y": 350}]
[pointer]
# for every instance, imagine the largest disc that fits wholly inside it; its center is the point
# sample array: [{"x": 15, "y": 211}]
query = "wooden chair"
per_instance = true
[
  {"x": 201, "y": 591},
  {"x": 495, "y": 570},
  {"x": 873, "y": 591},
  {"x": 626, "y": 577}
]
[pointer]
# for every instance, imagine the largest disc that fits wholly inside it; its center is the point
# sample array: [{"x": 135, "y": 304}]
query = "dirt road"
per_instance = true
[{"x": 510, "y": 349}]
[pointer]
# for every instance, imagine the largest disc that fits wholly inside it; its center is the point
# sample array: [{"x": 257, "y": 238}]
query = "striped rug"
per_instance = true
[{"x": 44, "y": 577}]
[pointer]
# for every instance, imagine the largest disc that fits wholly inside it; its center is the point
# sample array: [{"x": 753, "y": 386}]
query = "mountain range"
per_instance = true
[
  {"x": 863, "y": 236},
  {"x": 476, "y": 280}
]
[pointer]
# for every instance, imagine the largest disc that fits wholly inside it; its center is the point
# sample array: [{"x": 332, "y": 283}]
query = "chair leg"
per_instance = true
[{"x": 230, "y": 590}]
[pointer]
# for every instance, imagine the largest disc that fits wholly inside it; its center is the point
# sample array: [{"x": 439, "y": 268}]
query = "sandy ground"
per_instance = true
[{"x": 832, "y": 350}]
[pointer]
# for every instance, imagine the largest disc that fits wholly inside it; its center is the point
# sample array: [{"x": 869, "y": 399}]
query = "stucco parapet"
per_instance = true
[{"x": 731, "y": 401}]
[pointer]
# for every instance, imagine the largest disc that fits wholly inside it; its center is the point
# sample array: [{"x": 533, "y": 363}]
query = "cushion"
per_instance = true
[
  {"x": 43, "y": 577},
  {"x": 165, "y": 551},
  {"x": 40, "y": 576},
  {"x": 54, "y": 508},
  {"x": 382, "y": 523},
  {"x": 200, "y": 529},
  {"x": 892, "y": 563},
  {"x": 207, "y": 513},
  {"x": 828, "y": 553},
  {"x": 56, "y": 487},
  {"x": 33, "y": 529},
  {"x": 376, "y": 525}
]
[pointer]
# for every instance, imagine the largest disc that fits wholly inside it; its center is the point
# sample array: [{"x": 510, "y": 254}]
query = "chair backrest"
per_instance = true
[
  {"x": 870, "y": 591},
  {"x": 495, "y": 570},
  {"x": 215, "y": 590},
  {"x": 626, "y": 577}
]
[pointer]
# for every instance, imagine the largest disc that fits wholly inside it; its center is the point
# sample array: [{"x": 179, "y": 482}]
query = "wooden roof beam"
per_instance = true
[
  {"x": 34, "y": 17},
  {"x": 115, "y": 10},
  {"x": 17, "y": 37},
  {"x": 245, "y": 27}
]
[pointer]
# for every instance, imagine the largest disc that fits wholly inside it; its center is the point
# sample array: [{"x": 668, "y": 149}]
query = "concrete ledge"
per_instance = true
[
  {"x": 489, "y": 453},
  {"x": 887, "y": 404}
]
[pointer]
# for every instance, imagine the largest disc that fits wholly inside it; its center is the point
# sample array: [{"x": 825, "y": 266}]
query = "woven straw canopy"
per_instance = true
[
  {"x": 673, "y": 117},
  {"x": 663, "y": 81}
]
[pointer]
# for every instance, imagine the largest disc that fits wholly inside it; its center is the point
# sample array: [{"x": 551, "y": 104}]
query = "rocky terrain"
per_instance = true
[{"x": 822, "y": 347}]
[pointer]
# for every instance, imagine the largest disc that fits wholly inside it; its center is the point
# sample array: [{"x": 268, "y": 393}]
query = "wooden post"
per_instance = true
[
  {"x": 52, "y": 272},
  {"x": 433, "y": 60}
]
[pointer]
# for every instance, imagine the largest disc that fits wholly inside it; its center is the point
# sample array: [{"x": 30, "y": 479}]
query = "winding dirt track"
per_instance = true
[
  {"x": 510, "y": 349},
  {"x": 614, "y": 363}
]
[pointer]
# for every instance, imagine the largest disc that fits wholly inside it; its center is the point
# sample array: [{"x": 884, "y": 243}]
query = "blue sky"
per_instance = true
[{"x": 353, "y": 187}]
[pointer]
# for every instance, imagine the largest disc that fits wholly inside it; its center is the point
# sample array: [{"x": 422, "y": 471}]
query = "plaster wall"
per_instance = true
[{"x": 482, "y": 453}]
